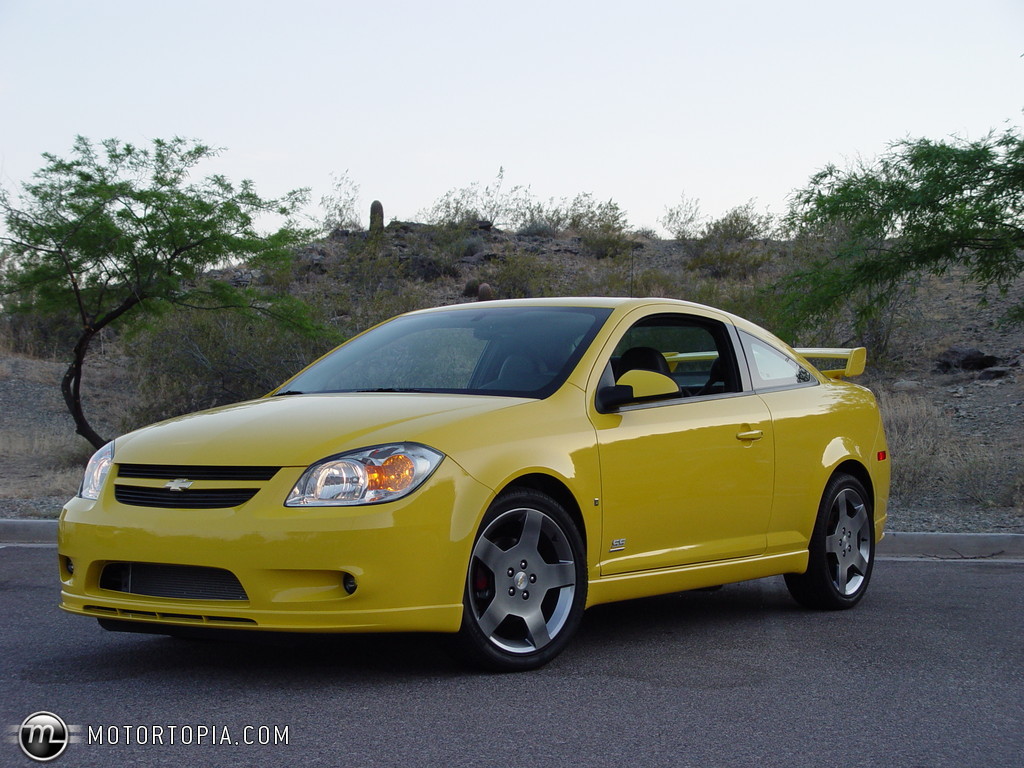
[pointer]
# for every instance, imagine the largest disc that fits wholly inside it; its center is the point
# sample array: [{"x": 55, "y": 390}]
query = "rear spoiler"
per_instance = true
[{"x": 855, "y": 358}]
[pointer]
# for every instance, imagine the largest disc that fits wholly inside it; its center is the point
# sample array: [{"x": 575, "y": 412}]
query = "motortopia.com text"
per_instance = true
[{"x": 110, "y": 735}]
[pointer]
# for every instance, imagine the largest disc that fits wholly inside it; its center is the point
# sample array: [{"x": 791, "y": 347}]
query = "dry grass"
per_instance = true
[
  {"x": 931, "y": 456},
  {"x": 61, "y": 446},
  {"x": 61, "y": 483},
  {"x": 46, "y": 463},
  {"x": 48, "y": 373},
  {"x": 26, "y": 368}
]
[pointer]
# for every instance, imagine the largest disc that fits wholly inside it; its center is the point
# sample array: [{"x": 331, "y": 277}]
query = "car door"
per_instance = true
[{"x": 688, "y": 478}]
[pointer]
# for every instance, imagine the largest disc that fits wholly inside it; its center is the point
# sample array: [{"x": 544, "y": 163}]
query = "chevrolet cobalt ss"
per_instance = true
[{"x": 490, "y": 470}]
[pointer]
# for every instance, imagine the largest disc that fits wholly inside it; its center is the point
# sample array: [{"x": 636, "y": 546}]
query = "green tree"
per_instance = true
[
  {"x": 118, "y": 230},
  {"x": 925, "y": 207}
]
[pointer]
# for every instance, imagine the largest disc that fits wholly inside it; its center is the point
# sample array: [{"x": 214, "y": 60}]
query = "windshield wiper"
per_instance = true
[{"x": 288, "y": 392}]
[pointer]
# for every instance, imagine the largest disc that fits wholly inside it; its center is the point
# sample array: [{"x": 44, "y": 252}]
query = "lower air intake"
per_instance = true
[{"x": 186, "y": 582}]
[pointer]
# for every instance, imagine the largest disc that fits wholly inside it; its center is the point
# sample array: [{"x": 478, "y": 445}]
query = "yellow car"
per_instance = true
[{"x": 490, "y": 470}]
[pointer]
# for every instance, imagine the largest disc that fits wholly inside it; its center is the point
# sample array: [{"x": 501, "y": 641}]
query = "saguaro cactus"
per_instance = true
[{"x": 376, "y": 217}]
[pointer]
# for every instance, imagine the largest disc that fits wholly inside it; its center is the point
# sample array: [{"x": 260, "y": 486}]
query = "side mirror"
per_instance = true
[
  {"x": 610, "y": 398},
  {"x": 636, "y": 386}
]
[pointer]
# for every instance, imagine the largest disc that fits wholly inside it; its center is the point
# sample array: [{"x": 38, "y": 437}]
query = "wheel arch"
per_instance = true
[
  {"x": 557, "y": 490},
  {"x": 855, "y": 469}
]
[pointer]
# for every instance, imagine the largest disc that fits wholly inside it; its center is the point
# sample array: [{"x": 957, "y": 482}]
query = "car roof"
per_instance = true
[
  {"x": 618, "y": 303},
  {"x": 609, "y": 302}
]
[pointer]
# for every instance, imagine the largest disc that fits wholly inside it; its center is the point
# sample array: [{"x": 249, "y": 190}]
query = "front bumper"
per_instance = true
[{"x": 407, "y": 559}]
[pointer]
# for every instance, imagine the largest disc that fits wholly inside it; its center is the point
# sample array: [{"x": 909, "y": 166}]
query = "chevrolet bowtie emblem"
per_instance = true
[{"x": 178, "y": 485}]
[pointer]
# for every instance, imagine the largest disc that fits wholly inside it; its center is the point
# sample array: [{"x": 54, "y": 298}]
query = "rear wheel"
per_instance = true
[
  {"x": 526, "y": 585},
  {"x": 841, "y": 550}
]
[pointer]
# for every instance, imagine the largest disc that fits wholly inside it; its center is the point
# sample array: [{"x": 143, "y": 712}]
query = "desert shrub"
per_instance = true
[
  {"x": 683, "y": 220},
  {"x": 344, "y": 314},
  {"x": 654, "y": 282},
  {"x": 468, "y": 205},
  {"x": 732, "y": 247},
  {"x": 537, "y": 219},
  {"x": 517, "y": 276},
  {"x": 402, "y": 297},
  {"x": 537, "y": 228},
  {"x": 646, "y": 233},
  {"x": 432, "y": 253},
  {"x": 740, "y": 261},
  {"x": 604, "y": 244},
  {"x": 38, "y": 334},
  {"x": 737, "y": 225},
  {"x": 369, "y": 266},
  {"x": 601, "y": 225},
  {"x": 194, "y": 359},
  {"x": 471, "y": 245},
  {"x": 585, "y": 213},
  {"x": 341, "y": 204}
]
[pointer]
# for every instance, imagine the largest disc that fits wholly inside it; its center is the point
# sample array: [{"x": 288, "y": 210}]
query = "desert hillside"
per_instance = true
[{"x": 955, "y": 431}]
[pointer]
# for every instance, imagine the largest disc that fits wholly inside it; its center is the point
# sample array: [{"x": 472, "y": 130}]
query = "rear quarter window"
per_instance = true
[{"x": 771, "y": 368}]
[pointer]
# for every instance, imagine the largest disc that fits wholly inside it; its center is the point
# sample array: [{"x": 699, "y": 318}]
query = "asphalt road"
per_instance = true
[{"x": 927, "y": 671}]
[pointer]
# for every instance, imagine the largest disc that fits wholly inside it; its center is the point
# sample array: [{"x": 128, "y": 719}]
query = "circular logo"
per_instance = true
[{"x": 43, "y": 736}]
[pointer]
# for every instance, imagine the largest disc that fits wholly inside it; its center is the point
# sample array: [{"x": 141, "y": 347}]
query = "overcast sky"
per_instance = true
[{"x": 636, "y": 100}]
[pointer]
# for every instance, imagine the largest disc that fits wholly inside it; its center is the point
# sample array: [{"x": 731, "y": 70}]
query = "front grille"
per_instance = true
[
  {"x": 188, "y": 582},
  {"x": 165, "y": 498},
  {"x": 194, "y": 472}
]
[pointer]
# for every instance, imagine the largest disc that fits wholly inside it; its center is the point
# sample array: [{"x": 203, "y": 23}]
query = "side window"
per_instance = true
[
  {"x": 770, "y": 367},
  {"x": 695, "y": 352}
]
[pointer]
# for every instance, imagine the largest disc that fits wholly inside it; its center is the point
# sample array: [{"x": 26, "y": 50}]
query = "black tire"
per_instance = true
[
  {"x": 526, "y": 584},
  {"x": 841, "y": 550}
]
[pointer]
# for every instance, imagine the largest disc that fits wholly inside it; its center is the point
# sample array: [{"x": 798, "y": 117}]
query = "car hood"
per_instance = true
[{"x": 297, "y": 430}]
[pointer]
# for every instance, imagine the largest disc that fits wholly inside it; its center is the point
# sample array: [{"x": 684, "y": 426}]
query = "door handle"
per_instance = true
[{"x": 751, "y": 435}]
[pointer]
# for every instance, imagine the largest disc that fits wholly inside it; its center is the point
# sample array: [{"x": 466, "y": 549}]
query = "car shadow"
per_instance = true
[{"x": 607, "y": 631}]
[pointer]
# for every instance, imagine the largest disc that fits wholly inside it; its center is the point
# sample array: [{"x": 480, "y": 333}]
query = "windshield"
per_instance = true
[{"x": 514, "y": 351}]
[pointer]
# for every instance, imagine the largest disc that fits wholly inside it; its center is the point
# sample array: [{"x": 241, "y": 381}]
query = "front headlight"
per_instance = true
[
  {"x": 367, "y": 476},
  {"x": 96, "y": 472}
]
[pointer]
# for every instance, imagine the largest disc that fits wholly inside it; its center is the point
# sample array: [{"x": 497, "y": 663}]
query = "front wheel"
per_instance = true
[
  {"x": 841, "y": 550},
  {"x": 526, "y": 585}
]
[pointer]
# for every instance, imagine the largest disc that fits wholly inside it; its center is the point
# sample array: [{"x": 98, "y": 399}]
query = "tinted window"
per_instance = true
[
  {"x": 694, "y": 352},
  {"x": 519, "y": 351},
  {"x": 770, "y": 367}
]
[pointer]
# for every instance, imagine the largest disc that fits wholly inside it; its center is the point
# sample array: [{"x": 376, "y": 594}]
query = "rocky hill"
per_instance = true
[{"x": 954, "y": 423}]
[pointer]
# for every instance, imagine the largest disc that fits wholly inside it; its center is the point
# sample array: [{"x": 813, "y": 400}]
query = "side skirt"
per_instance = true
[{"x": 664, "y": 581}]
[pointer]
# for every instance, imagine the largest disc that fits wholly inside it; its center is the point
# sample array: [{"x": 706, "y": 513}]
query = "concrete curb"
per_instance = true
[
  {"x": 952, "y": 546},
  {"x": 28, "y": 532},
  {"x": 940, "y": 546}
]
